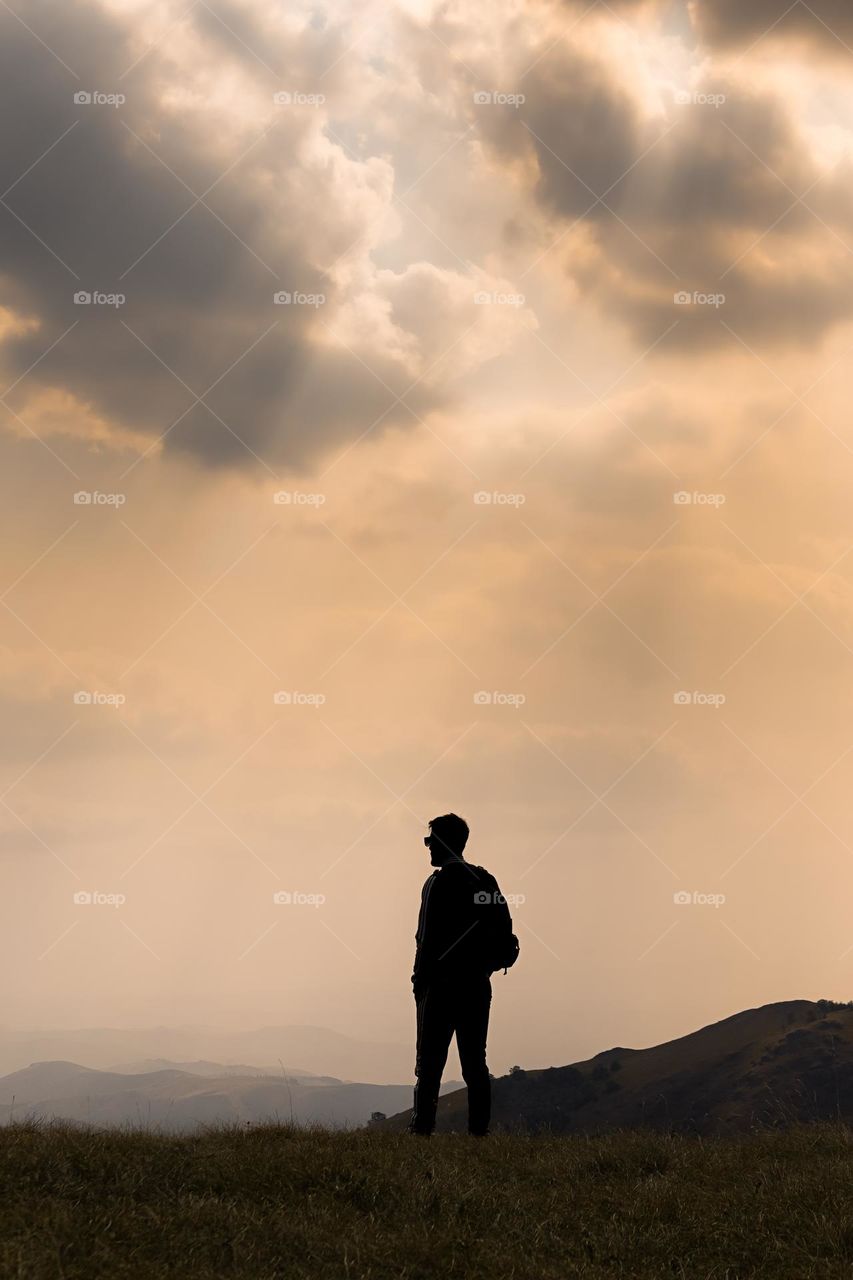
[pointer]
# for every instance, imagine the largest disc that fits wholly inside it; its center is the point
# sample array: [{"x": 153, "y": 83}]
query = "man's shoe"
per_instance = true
[{"x": 413, "y": 1129}]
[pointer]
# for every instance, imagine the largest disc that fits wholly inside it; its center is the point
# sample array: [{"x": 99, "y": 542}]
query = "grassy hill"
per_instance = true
[
  {"x": 778, "y": 1064},
  {"x": 272, "y": 1202}
]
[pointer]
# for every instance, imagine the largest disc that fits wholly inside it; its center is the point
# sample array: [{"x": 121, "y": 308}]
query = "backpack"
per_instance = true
[
  {"x": 501, "y": 944},
  {"x": 506, "y": 953}
]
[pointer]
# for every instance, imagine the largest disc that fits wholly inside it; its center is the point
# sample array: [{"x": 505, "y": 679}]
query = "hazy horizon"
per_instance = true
[{"x": 458, "y": 403}]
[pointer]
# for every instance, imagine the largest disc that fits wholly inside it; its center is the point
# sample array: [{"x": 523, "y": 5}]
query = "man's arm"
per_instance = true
[{"x": 427, "y": 936}]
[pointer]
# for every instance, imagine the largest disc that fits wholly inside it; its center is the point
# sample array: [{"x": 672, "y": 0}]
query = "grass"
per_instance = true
[{"x": 276, "y": 1201}]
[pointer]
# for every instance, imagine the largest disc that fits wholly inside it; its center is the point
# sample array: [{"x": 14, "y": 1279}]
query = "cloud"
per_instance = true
[
  {"x": 824, "y": 23},
  {"x": 715, "y": 194},
  {"x": 198, "y": 200},
  {"x": 441, "y": 323}
]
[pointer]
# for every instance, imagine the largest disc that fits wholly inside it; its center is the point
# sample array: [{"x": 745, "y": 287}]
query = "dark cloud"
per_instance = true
[
  {"x": 581, "y": 125},
  {"x": 109, "y": 207},
  {"x": 704, "y": 202},
  {"x": 827, "y": 23}
]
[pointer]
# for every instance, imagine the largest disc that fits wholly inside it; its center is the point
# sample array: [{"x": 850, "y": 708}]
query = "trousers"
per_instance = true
[{"x": 448, "y": 1006}]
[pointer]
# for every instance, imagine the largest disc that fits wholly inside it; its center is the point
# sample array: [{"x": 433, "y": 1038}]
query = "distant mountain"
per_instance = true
[
  {"x": 317, "y": 1050},
  {"x": 774, "y": 1065},
  {"x": 203, "y": 1068},
  {"x": 180, "y": 1101}
]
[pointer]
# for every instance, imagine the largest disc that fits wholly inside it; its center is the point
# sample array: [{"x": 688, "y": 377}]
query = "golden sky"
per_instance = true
[{"x": 420, "y": 408}]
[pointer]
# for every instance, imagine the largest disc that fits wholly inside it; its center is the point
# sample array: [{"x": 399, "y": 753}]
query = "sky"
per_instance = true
[{"x": 415, "y": 408}]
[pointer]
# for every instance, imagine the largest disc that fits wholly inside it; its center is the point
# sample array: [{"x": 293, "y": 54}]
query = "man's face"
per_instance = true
[{"x": 435, "y": 849}]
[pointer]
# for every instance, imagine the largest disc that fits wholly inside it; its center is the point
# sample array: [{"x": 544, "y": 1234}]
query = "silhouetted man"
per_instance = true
[{"x": 464, "y": 934}]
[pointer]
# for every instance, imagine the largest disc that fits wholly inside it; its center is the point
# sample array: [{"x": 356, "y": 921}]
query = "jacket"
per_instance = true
[{"x": 461, "y": 908}]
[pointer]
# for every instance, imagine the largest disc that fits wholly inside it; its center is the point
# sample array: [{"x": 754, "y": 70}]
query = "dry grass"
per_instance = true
[{"x": 281, "y": 1202}]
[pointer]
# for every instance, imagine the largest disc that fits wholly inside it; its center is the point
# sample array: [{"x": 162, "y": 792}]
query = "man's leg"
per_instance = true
[
  {"x": 472, "y": 1027},
  {"x": 435, "y": 1031}
]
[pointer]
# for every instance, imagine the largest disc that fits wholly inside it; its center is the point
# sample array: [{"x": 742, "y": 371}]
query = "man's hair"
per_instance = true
[{"x": 451, "y": 831}]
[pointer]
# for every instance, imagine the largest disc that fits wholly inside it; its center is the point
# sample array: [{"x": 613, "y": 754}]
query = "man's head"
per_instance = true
[{"x": 447, "y": 838}]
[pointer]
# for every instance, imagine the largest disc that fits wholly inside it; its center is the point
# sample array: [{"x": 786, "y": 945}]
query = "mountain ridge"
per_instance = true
[{"x": 773, "y": 1065}]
